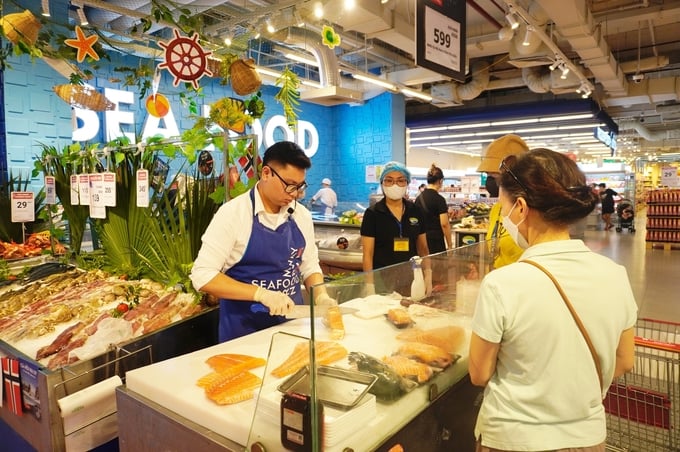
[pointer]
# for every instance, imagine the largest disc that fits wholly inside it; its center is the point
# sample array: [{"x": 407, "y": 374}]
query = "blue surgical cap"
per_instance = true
[{"x": 395, "y": 166}]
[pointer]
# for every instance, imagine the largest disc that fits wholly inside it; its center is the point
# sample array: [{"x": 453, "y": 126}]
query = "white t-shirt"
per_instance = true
[
  {"x": 226, "y": 238},
  {"x": 328, "y": 198},
  {"x": 545, "y": 394}
]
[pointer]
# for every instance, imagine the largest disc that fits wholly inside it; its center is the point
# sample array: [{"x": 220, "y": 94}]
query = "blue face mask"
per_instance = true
[{"x": 513, "y": 230}]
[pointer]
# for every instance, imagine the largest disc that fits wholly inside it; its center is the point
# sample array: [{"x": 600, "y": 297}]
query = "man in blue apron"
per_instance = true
[{"x": 259, "y": 247}]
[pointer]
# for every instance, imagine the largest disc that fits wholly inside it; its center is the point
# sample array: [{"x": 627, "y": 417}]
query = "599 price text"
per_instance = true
[{"x": 442, "y": 38}]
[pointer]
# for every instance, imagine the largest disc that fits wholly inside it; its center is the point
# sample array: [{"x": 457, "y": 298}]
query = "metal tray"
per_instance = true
[{"x": 336, "y": 387}]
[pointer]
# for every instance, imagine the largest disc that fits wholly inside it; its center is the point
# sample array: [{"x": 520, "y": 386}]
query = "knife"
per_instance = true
[{"x": 302, "y": 310}]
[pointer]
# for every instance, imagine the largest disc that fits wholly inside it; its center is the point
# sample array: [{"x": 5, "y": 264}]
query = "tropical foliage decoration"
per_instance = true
[{"x": 289, "y": 96}]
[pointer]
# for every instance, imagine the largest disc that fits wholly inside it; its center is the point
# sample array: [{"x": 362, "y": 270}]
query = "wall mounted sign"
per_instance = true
[{"x": 440, "y": 37}]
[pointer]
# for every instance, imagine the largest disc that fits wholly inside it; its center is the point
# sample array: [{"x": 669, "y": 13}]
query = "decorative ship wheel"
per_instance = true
[{"x": 185, "y": 59}]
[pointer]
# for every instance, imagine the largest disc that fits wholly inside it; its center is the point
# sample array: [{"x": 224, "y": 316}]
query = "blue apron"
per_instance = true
[{"x": 271, "y": 260}]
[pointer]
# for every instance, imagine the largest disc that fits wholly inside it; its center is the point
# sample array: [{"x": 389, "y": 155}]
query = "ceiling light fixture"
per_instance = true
[
  {"x": 565, "y": 71},
  {"x": 350, "y": 5},
  {"x": 318, "y": 10},
  {"x": 417, "y": 94},
  {"x": 270, "y": 27},
  {"x": 376, "y": 81},
  {"x": 46, "y": 8},
  {"x": 527, "y": 36},
  {"x": 81, "y": 16},
  {"x": 512, "y": 20},
  {"x": 554, "y": 66},
  {"x": 227, "y": 41}
]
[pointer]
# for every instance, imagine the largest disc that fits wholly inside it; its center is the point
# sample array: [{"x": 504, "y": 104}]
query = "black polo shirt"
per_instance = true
[{"x": 379, "y": 223}]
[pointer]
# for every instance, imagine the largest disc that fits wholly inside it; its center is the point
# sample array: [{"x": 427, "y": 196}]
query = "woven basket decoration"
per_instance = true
[
  {"x": 244, "y": 77},
  {"x": 82, "y": 96},
  {"x": 21, "y": 27}
]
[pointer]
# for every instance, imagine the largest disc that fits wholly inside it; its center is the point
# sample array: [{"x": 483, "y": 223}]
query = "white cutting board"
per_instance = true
[{"x": 172, "y": 383}]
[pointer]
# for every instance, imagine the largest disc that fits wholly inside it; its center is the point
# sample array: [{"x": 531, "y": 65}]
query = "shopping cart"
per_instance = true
[{"x": 643, "y": 406}]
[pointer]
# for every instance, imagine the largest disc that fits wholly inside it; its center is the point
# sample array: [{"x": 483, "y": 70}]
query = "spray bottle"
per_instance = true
[{"x": 418, "y": 284}]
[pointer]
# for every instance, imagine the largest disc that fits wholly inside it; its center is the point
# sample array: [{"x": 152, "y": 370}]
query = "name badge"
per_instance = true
[{"x": 401, "y": 244}]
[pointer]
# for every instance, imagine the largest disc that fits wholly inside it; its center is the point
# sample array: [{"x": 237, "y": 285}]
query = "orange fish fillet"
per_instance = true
[
  {"x": 333, "y": 320},
  {"x": 224, "y": 372},
  {"x": 326, "y": 353},
  {"x": 409, "y": 368},
  {"x": 426, "y": 353},
  {"x": 237, "y": 389},
  {"x": 449, "y": 338}
]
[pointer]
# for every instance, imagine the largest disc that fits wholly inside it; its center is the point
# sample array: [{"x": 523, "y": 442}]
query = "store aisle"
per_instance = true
[{"x": 654, "y": 273}]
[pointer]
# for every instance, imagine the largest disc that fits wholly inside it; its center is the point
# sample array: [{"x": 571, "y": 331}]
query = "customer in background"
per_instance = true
[
  {"x": 504, "y": 249},
  {"x": 259, "y": 248},
  {"x": 543, "y": 389},
  {"x": 327, "y": 197},
  {"x": 607, "y": 198},
  {"x": 436, "y": 212},
  {"x": 393, "y": 229}
]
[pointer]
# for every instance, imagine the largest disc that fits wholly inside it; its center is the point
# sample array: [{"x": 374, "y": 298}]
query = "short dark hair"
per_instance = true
[
  {"x": 286, "y": 153},
  {"x": 435, "y": 174},
  {"x": 602, "y": 184},
  {"x": 553, "y": 184}
]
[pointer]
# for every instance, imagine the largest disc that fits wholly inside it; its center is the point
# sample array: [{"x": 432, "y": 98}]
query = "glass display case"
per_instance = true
[{"x": 356, "y": 376}]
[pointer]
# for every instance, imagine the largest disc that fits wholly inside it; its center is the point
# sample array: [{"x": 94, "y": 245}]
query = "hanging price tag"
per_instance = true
[
  {"x": 84, "y": 189},
  {"x": 97, "y": 208},
  {"x": 23, "y": 206},
  {"x": 75, "y": 197},
  {"x": 109, "y": 189},
  {"x": 50, "y": 190},
  {"x": 142, "y": 188}
]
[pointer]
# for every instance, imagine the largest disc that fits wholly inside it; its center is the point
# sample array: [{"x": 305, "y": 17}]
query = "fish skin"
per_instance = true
[{"x": 426, "y": 353}]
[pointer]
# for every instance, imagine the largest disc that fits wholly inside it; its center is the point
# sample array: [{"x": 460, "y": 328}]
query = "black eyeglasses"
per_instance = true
[
  {"x": 504, "y": 167},
  {"x": 289, "y": 188}
]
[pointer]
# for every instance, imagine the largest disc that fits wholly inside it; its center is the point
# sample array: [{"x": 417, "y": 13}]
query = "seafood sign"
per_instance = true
[{"x": 73, "y": 315}]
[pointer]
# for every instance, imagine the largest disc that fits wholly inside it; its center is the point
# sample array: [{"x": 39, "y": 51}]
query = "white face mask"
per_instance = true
[
  {"x": 394, "y": 192},
  {"x": 513, "y": 230}
]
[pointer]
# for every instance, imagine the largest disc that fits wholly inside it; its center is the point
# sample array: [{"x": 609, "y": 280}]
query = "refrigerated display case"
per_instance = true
[{"x": 415, "y": 348}]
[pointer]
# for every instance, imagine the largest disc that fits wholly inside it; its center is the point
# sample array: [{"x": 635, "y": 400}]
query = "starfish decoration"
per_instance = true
[
  {"x": 330, "y": 37},
  {"x": 83, "y": 44}
]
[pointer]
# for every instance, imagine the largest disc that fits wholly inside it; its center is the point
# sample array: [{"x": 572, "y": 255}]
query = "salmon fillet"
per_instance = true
[
  {"x": 327, "y": 352},
  {"x": 426, "y": 353},
  {"x": 449, "y": 338},
  {"x": 409, "y": 368},
  {"x": 231, "y": 382},
  {"x": 236, "y": 389}
]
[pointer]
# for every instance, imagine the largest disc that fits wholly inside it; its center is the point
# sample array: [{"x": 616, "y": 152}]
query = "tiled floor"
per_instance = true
[{"x": 654, "y": 273}]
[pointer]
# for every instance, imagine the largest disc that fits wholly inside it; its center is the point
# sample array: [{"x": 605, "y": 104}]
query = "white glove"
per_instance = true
[
  {"x": 427, "y": 275},
  {"x": 325, "y": 300},
  {"x": 278, "y": 302},
  {"x": 369, "y": 289}
]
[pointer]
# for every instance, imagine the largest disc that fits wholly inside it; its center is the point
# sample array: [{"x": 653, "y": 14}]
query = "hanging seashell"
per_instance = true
[
  {"x": 21, "y": 27},
  {"x": 82, "y": 96},
  {"x": 244, "y": 77}
]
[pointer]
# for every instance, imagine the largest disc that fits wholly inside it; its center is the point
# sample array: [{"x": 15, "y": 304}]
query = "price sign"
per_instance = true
[
  {"x": 440, "y": 37},
  {"x": 50, "y": 190},
  {"x": 109, "y": 189},
  {"x": 23, "y": 206},
  {"x": 75, "y": 195},
  {"x": 84, "y": 189},
  {"x": 142, "y": 188},
  {"x": 97, "y": 207},
  {"x": 669, "y": 176}
]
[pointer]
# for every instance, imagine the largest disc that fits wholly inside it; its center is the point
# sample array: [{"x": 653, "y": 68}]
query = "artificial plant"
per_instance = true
[{"x": 289, "y": 96}]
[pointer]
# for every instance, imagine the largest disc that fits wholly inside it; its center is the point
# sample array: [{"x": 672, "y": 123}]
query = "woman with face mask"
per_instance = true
[
  {"x": 546, "y": 375},
  {"x": 393, "y": 229}
]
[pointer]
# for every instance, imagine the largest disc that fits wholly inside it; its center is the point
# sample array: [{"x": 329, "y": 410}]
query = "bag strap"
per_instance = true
[{"x": 574, "y": 315}]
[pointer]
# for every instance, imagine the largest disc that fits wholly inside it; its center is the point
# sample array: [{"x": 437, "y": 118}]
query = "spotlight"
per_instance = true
[
  {"x": 555, "y": 64},
  {"x": 82, "y": 17},
  {"x": 46, "y": 8},
  {"x": 270, "y": 27},
  {"x": 227, "y": 41},
  {"x": 527, "y": 36},
  {"x": 512, "y": 20},
  {"x": 318, "y": 10},
  {"x": 565, "y": 71}
]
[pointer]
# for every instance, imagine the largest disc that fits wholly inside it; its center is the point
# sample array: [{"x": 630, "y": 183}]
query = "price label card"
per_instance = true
[
  {"x": 142, "y": 188},
  {"x": 23, "y": 206},
  {"x": 442, "y": 40},
  {"x": 109, "y": 189},
  {"x": 50, "y": 190},
  {"x": 75, "y": 195},
  {"x": 84, "y": 189},
  {"x": 97, "y": 207}
]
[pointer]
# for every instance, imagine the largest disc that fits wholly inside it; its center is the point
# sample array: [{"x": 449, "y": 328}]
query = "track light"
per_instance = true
[
  {"x": 565, "y": 71},
  {"x": 555, "y": 64},
  {"x": 227, "y": 41},
  {"x": 270, "y": 27},
  {"x": 512, "y": 20},
  {"x": 318, "y": 10},
  {"x": 46, "y": 8},
  {"x": 81, "y": 16},
  {"x": 527, "y": 36}
]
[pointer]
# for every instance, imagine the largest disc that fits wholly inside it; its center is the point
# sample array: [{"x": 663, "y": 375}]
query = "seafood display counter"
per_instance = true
[
  {"x": 339, "y": 246},
  {"x": 379, "y": 370},
  {"x": 60, "y": 373}
]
